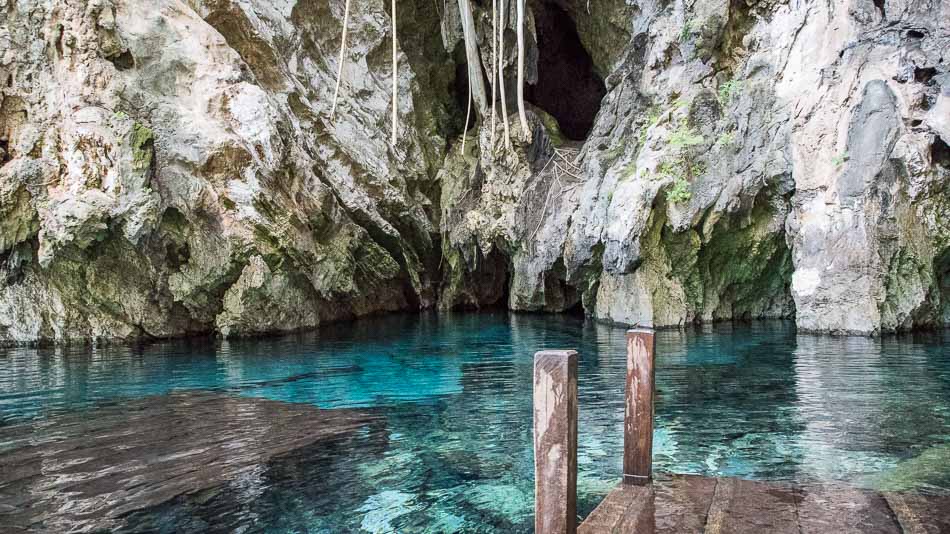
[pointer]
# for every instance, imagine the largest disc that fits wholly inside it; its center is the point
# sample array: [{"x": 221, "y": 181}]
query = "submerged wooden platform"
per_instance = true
[{"x": 685, "y": 504}]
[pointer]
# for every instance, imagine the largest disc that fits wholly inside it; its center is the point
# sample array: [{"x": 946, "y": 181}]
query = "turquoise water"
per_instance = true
[{"x": 454, "y": 392}]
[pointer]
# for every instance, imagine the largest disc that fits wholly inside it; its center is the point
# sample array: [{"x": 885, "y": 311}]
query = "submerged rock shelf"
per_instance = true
[{"x": 86, "y": 470}]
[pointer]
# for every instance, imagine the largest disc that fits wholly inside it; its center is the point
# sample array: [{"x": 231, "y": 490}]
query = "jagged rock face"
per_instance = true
[
  {"x": 750, "y": 160},
  {"x": 172, "y": 168}
]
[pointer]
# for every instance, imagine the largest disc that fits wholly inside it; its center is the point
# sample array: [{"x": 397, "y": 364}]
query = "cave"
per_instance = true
[{"x": 567, "y": 87}]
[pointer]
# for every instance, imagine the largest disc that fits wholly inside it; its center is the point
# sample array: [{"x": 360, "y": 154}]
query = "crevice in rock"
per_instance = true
[
  {"x": 13, "y": 115},
  {"x": 940, "y": 153},
  {"x": 879, "y": 4},
  {"x": 942, "y": 278},
  {"x": 737, "y": 26},
  {"x": 925, "y": 75},
  {"x": 123, "y": 61},
  {"x": 460, "y": 92},
  {"x": 4, "y": 151},
  {"x": 568, "y": 87}
]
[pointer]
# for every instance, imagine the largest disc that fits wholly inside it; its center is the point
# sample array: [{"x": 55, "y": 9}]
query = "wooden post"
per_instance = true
[
  {"x": 555, "y": 442},
  {"x": 638, "y": 413}
]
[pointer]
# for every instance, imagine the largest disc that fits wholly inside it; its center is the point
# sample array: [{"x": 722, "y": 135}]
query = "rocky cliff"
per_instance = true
[{"x": 171, "y": 167}]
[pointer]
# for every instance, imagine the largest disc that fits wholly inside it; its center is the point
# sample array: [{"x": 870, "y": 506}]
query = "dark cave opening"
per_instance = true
[
  {"x": 568, "y": 87},
  {"x": 940, "y": 153},
  {"x": 459, "y": 90},
  {"x": 123, "y": 61}
]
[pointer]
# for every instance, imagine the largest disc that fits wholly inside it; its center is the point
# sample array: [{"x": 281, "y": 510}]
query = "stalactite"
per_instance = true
[{"x": 339, "y": 72}]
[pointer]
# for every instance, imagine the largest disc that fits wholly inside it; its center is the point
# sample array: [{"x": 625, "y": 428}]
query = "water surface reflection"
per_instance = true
[{"x": 453, "y": 394}]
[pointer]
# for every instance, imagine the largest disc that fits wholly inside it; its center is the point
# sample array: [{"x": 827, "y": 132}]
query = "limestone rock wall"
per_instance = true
[
  {"x": 170, "y": 167},
  {"x": 750, "y": 160}
]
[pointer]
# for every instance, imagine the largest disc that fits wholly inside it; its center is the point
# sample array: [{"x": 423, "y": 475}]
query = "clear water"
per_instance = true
[{"x": 455, "y": 452}]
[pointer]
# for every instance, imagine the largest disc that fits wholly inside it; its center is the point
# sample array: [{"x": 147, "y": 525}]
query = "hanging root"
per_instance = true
[
  {"x": 494, "y": 61},
  {"x": 395, "y": 79},
  {"x": 521, "y": 112},
  {"x": 503, "y": 22},
  {"x": 468, "y": 112},
  {"x": 339, "y": 71},
  {"x": 565, "y": 166}
]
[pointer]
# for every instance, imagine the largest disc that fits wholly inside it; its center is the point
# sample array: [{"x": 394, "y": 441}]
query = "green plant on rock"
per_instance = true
[
  {"x": 840, "y": 159},
  {"x": 684, "y": 137},
  {"x": 614, "y": 152},
  {"x": 653, "y": 118},
  {"x": 687, "y": 30},
  {"x": 681, "y": 168},
  {"x": 679, "y": 193},
  {"x": 726, "y": 139},
  {"x": 630, "y": 171},
  {"x": 728, "y": 91},
  {"x": 142, "y": 146}
]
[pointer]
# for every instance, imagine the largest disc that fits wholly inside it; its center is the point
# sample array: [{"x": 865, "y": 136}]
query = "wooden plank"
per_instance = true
[
  {"x": 842, "y": 509},
  {"x": 555, "y": 442},
  {"x": 682, "y": 503},
  {"x": 921, "y": 514},
  {"x": 670, "y": 506},
  {"x": 627, "y": 508},
  {"x": 746, "y": 506},
  {"x": 638, "y": 410}
]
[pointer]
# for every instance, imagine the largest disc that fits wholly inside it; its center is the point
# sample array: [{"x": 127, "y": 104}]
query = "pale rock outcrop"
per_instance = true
[{"x": 170, "y": 168}]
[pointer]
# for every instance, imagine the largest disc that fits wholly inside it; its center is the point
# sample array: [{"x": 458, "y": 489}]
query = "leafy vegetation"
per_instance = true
[
  {"x": 679, "y": 193},
  {"x": 686, "y": 31},
  {"x": 683, "y": 137},
  {"x": 840, "y": 159},
  {"x": 653, "y": 118},
  {"x": 726, "y": 139},
  {"x": 728, "y": 91},
  {"x": 681, "y": 169}
]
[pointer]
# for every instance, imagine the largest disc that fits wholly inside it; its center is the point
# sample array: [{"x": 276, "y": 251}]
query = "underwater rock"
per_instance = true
[{"x": 86, "y": 471}]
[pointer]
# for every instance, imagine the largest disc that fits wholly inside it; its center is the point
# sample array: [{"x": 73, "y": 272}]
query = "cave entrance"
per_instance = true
[{"x": 567, "y": 87}]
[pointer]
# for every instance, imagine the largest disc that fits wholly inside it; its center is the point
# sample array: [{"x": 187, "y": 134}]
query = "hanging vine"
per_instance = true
[{"x": 339, "y": 72}]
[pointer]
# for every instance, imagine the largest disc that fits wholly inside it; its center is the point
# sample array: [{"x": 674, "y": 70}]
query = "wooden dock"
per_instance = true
[
  {"x": 642, "y": 504},
  {"x": 695, "y": 504}
]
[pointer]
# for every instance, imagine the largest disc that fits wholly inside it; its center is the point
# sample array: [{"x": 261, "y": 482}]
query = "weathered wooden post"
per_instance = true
[
  {"x": 555, "y": 442},
  {"x": 638, "y": 413}
]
